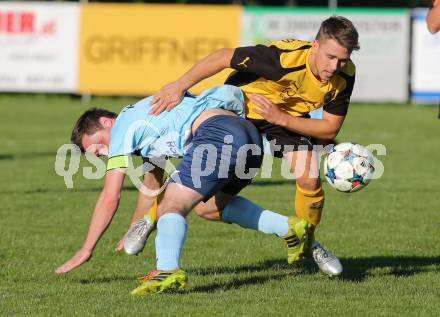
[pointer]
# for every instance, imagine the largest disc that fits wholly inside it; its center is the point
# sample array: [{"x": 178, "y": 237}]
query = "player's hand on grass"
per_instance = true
[
  {"x": 79, "y": 258},
  {"x": 266, "y": 108},
  {"x": 120, "y": 245},
  {"x": 167, "y": 98}
]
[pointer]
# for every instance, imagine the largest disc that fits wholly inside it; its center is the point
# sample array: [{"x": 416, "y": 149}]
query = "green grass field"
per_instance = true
[{"x": 387, "y": 236}]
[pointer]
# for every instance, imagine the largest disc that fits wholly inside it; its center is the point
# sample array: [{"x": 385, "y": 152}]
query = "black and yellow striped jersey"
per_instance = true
[{"x": 281, "y": 72}]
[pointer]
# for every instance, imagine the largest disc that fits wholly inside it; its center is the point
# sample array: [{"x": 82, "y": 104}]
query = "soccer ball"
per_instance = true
[{"x": 349, "y": 167}]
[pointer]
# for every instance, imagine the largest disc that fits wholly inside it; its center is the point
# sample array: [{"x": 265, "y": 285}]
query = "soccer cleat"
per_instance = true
[
  {"x": 137, "y": 235},
  {"x": 296, "y": 239},
  {"x": 326, "y": 261},
  {"x": 158, "y": 281}
]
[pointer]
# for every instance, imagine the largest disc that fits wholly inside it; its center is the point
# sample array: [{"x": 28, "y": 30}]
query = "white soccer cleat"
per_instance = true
[
  {"x": 326, "y": 261},
  {"x": 137, "y": 235}
]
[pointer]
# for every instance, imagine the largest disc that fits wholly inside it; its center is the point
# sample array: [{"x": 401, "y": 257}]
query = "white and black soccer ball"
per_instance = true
[{"x": 349, "y": 167}]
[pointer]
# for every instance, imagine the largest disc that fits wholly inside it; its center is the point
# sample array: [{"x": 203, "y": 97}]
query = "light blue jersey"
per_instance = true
[{"x": 137, "y": 132}]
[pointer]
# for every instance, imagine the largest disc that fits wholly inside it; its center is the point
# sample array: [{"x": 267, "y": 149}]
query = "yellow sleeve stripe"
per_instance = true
[{"x": 120, "y": 161}]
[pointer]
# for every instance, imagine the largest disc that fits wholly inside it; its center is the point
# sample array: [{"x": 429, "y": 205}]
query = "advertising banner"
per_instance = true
[
  {"x": 425, "y": 79},
  {"x": 381, "y": 63},
  {"x": 38, "y": 46},
  {"x": 136, "y": 49}
]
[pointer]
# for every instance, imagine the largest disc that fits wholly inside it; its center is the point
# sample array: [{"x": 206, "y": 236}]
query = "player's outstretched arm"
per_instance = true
[
  {"x": 105, "y": 208},
  {"x": 170, "y": 95},
  {"x": 153, "y": 181},
  {"x": 433, "y": 18}
]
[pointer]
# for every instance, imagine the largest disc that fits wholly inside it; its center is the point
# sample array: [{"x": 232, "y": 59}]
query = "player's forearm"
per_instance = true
[
  {"x": 102, "y": 216},
  {"x": 316, "y": 128},
  {"x": 433, "y": 19},
  {"x": 207, "y": 67}
]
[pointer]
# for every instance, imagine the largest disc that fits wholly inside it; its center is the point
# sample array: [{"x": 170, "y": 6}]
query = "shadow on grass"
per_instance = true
[
  {"x": 256, "y": 267},
  {"x": 6, "y": 157},
  {"x": 25, "y": 156},
  {"x": 355, "y": 269},
  {"x": 236, "y": 283},
  {"x": 107, "y": 279}
]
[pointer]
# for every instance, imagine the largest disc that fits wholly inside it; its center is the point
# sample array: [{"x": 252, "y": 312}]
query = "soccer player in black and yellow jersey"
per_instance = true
[{"x": 282, "y": 83}]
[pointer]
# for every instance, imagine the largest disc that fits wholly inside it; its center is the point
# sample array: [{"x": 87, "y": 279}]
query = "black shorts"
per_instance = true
[{"x": 283, "y": 140}]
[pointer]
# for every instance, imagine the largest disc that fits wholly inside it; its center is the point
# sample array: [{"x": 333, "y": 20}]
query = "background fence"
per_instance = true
[{"x": 134, "y": 49}]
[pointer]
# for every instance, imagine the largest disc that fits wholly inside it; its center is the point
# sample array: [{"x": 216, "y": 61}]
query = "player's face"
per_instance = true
[
  {"x": 329, "y": 58},
  {"x": 98, "y": 142}
]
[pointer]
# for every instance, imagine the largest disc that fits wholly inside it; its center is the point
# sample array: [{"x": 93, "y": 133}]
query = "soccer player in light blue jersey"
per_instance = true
[
  {"x": 221, "y": 154},
  {"x": 166, "y": 135}
]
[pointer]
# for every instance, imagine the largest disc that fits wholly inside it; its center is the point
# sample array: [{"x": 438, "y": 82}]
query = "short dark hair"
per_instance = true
[
  {"x": 88, "y": 124},
  {"x": 340, "y": 29}
]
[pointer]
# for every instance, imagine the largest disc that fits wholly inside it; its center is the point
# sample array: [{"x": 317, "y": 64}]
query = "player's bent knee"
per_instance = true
[
  {"x": 171, "y": 205},
  {"x": 308, "y": 183},
  {"x": 179, "y": 199}
]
